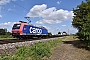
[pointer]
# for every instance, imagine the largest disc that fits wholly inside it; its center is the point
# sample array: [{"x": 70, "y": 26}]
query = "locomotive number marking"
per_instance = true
[{"x": 35, "y": 30}]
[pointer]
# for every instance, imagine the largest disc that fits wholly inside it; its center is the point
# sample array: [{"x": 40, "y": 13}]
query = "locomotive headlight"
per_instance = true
[{"x": 35, "y": 30}]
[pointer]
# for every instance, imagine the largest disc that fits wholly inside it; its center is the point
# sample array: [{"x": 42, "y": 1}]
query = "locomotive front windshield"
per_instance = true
[{"x": 16, "y": 26}]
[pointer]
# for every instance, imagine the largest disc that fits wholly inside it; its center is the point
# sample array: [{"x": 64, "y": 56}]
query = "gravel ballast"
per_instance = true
[{"x": 10, "y": 48}]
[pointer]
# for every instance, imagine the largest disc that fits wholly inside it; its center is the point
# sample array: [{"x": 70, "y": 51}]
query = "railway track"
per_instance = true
[
  {"x": 8, "y": 44},
  {"x": 23, "y": 40},
  {"x": 15, "y": 40}
]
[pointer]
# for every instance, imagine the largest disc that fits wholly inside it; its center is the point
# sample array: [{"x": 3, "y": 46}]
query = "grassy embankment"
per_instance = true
[
  {"x": 37, "y": 51},
  {"x": 6, "y": 37}
]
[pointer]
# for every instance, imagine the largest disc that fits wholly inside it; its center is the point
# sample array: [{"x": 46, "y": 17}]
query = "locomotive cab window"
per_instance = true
[{"x": 16, "y": 26}]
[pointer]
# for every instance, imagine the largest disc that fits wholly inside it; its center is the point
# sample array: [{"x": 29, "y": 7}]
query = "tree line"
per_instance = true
[
  {"x": 81, "y": 21},
  {"x": 4, "y": 32}
]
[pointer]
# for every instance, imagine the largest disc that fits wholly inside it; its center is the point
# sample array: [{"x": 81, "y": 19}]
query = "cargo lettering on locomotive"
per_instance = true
[{"x": 35, "y": 30}]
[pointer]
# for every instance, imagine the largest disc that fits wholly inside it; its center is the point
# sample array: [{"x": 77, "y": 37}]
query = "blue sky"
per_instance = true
[{"x": 55, "y": 15}]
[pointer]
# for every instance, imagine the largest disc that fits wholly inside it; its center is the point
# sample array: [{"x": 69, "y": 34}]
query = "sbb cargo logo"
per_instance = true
[{"x": 35, "y": 30}]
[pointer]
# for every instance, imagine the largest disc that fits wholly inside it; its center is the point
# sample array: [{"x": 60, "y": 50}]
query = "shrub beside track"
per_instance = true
[{"x": 38, "y": 51}]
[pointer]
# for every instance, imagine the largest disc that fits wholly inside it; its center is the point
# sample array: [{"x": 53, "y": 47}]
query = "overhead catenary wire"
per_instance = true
[
  {"x": 28, "y": 18},
  {"x": 12, "y": 12},
  {"x": 20, "y": 5}
]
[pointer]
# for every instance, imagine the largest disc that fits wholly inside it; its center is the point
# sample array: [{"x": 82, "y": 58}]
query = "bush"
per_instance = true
[
  {"x": 5, "y": 58},
  {"x": 18, "y": 58},
  {"x": 34, "y": 52},
  {"x": 23, "y": 51},
  {"x": 40, "y": 50}
]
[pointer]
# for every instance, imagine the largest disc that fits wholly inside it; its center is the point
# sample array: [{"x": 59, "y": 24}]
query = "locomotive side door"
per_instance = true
[{"x": 25, "y": 29}]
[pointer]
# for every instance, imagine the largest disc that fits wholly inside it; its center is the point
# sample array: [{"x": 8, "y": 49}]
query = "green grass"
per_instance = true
[
  {"x": 35, "y": 52},
  {"x": 7, "y": 38}
]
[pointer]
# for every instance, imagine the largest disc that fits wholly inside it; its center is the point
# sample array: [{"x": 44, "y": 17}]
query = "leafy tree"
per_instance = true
[
  {"x": 59, "y": 32},
  {"x": 8, "y": 33},
  {"x": 81, "y": 20},
  {"x": 2, "y": 31}
]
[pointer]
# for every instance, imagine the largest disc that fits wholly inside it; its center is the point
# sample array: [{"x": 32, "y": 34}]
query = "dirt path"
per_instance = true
[{"x": 68, "y": 50}]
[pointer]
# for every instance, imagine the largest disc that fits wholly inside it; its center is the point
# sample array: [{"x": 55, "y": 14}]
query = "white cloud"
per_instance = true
[
  {"x": 0, "y": 16},
  {"x": 44, "y": 21},
  {"x": 58, "y": 2},
  {"x": 3, "y": 2},
  {"x": 36, "y": 10},
  {"x": 6, "y": 24},
  {"x": 63, "y": 25},
  {"x": 9, "y": 9},
  {"x": 49, "y": 15}
]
